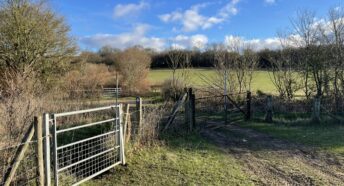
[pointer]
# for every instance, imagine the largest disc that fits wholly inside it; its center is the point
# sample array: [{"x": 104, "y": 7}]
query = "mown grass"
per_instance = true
[
  {"x": 327, "y": 135},
  {"x": 179, "y": 161},
  {"x": 261, "y": 79}
]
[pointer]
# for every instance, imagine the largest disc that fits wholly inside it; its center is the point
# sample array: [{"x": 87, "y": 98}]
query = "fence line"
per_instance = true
[
  {"x": 188, "y": 104},
  {"x": 17, "y": 157}
]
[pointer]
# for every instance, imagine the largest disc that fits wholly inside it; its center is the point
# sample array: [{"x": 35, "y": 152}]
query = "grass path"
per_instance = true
[
  {"x": 180, "y": 161},
  {"x": 272, "y": 161}
]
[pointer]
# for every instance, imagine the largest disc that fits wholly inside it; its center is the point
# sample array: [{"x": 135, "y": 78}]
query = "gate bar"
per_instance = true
[
  {"x": 85, "y": 111},
  {"x": 96, "y": 174},
  {"x": 84, "y": 126}
]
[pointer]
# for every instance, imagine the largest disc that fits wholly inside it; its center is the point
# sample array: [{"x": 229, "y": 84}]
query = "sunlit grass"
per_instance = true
[{"x": 180, "y": 161}]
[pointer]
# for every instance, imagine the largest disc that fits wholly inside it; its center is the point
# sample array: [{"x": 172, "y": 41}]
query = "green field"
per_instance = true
[{"x": 261, "y": 79}]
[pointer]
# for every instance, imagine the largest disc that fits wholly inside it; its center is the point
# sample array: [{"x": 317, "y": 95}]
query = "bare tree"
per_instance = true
[
  {"x": 250, "y": 59},
  {"x": 244, "y": 61},
  {"x": 223, "y": 67},
  {"x": 333, "y": 32},
  {"x": 307, "y": 36},
  {"x": 175, "y": 57},
  {"x": 285, "y": 74},
  {"x": 179, "y": 59},
  {"x": 185, "y": 69}
]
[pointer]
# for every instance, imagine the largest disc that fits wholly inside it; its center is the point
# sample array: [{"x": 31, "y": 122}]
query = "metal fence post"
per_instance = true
[
  {"x": 56, "y": 176},
  {"x": 121, "y": 138},
  {"x": 47, "y": 173},
  {"x": 39, "y": 150}
]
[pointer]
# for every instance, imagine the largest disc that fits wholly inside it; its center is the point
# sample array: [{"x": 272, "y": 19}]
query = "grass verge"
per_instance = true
[{"x": 179, "y": 161}]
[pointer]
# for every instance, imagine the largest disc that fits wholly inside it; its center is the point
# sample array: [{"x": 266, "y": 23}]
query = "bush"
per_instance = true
[
  {"x": 133, "y": 65},
  {"x": 22, "y": 99},
  {"x": 172, "y": 90},
  {"x": 88, "y": 81}
]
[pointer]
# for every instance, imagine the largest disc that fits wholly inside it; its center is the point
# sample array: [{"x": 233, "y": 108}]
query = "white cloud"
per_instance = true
[
  {"x": 138, "y": 37},
  {"x": 272, "y": 43},
  {"x": 195, "y": 41},
  {"x": 122, "y": 10},
  {"x": 291, "y": 40},
  {"x": 125, "y": 40},
  {"x": 229, "y": 9},
  {"x": 192, "y": 20},
  {"x": 270, "y": 1}
]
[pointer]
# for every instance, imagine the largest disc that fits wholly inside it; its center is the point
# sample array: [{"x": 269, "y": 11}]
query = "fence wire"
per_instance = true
[
  {"x": 219, "y": 107},
  {"x": 26, "y": 173}
]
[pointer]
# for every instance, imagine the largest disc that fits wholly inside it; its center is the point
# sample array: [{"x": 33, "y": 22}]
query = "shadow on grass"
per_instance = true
[
  {"x": 328, "y": 134},
  {"x": 297, "y": 128},
  {"x": 178, "y": 160}
]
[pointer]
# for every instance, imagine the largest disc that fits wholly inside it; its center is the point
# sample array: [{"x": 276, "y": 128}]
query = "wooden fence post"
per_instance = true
[
  {"x": 127, "y": 124},
  {"x": 225, "y": 109},
  {"x": 187, "y": 109},
  {"x": 38, "y": 124},
  {"x": 316, "y": 110},
  {"x": 192, "y": 110},
  {"x": 248, "y": 105},
  {"x": 139, "y": 114},
  {"x": 269, "y": 114},
  {"x": 18, "y": 156}
]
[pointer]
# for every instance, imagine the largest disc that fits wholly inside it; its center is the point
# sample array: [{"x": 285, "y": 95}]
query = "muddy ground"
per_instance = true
[{"x": 271, "y": 161}]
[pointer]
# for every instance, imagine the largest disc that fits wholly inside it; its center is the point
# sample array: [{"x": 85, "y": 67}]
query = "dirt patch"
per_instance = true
[{"x": 271, "y": 161}]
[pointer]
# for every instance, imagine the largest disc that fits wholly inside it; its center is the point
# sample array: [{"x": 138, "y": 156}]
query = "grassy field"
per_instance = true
[
  {"x": 180, "y": 161},
  {"x": 261, "y": 80}
]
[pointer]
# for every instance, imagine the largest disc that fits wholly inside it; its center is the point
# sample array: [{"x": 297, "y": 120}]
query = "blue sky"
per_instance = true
[{"x": 183, "y": 23}]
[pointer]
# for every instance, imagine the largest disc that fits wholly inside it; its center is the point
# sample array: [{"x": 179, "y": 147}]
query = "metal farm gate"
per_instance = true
[
  {"x": 85, "y": 150},
  {"x": 230, "y": 108}
]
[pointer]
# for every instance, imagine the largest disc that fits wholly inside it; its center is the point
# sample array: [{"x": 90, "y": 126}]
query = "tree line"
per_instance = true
[{"x": 198, "y": 58}]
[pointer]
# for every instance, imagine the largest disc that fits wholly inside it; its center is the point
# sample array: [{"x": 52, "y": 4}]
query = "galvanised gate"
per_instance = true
[{"x": 83, "y": 151}]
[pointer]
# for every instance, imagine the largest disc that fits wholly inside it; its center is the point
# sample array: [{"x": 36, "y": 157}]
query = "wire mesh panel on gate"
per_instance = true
[{"x": 89, "y": 146}]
